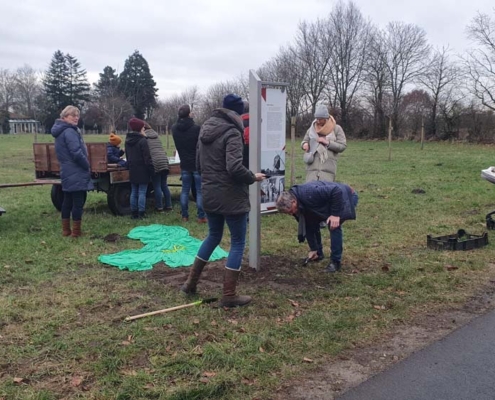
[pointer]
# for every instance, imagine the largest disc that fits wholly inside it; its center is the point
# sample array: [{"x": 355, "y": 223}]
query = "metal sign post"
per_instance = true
[
  {"x": 254, "y": 165},
  {"x": 266, "y": 153}
]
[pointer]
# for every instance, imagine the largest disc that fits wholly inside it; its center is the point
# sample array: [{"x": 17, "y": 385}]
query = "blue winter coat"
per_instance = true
[
  {"x": 318, "y": 200},
  {"x": 72, "y": 156},
  {"x": 114, "y": 154}
]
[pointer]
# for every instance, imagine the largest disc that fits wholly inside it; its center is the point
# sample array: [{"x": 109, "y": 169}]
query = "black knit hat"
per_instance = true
[{"x": 234, "y": 103}]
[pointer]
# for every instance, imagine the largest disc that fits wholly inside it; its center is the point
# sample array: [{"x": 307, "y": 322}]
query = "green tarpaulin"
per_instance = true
[{"x": 170, "y": 244}]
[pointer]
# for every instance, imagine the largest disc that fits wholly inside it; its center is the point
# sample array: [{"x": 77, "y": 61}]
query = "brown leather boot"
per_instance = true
[
  {"x": 230, "y": 299},
  {"x": 66, "y": 227},
  {"x": 76, "y": 228},
  {"x": 189, "y": 287}
]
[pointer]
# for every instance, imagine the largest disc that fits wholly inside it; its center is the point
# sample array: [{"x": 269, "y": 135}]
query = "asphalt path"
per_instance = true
[{"x": 461, "y": 366}]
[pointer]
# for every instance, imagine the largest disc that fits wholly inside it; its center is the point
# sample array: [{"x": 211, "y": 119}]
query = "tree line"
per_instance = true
[{"x": 371, "y": 78}]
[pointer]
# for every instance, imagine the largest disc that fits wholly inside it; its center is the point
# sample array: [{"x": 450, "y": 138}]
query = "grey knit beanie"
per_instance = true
[{"x": 322, "y": 111}]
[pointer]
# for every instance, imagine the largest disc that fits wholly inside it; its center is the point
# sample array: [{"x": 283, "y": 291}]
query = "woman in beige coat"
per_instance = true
[{"x": 322, "y": 144}]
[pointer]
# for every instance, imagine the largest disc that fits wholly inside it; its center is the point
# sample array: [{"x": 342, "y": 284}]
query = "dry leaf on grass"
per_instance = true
[
  {"x": 76, "y": 381},
  {"x": 379, "y": 307},
  {"x": 204, "y": 380},
  {"x": 308, "y": 360},
  {"x": 262, "y": 350},
  {"x": 449, "y": 267},
  {"x": 294, "y": 303},
  {"x": 209, "y": 374},
  {"x": 18, "y": 380}
]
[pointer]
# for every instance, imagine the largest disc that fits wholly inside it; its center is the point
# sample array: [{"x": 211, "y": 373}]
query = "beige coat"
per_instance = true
[{"x": 326, "y": 171}]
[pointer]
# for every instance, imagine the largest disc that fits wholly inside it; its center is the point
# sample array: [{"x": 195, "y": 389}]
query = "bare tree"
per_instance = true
[
  {"x": 480, "y": 62},
  {"x": 8, "y": 89},
  {"x": 287, "y": 67},
  {"x": 346, "y": 39},
  {"x": 377, "y": 81},
  {"x": 313, "y": 60},
  {"x": 28, "y": 88},
  {"x": 406, "y": 48},
  {"x": 440, "y": 73}
]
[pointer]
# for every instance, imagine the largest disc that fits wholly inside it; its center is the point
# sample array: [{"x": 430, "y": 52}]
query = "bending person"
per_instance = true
[{"x": 314, "y": 202}]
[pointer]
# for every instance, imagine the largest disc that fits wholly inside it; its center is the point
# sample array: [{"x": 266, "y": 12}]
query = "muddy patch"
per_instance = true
[{"x": 282, "y": 274}]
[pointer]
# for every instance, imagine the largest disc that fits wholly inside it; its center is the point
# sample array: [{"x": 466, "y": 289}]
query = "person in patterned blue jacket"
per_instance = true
[
  {"x": 114, "y": 152},
  {"x": 75, "y": 171},
  {"x": 317, "y": 201}
]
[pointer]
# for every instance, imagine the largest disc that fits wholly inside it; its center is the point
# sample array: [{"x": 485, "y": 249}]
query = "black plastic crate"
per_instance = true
[{"x": 458, "y": 241}]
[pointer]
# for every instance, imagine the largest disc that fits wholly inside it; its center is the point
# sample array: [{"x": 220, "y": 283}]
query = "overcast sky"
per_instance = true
[{"x": 196, "y": 42}]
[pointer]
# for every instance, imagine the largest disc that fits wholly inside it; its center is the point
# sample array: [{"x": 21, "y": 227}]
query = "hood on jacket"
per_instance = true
[
  {"x": 133, "y": 138},
  {"x": 59, "y": 126},
  {"x": 183, "y": 124},
  {"x": 150, "y": 133},
  {"x": 221, "y": 121}
]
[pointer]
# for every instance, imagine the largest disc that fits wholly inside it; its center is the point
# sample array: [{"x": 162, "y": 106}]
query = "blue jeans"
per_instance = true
[
  {"x": 73, "y": 204},
  {"x": 187, "y": 178},
  {"x": 161, "y": 189},
  {"x": 237, "y": 225},
  {"x": 138, "y": 197},
  {"x": 337, "y": 237}
]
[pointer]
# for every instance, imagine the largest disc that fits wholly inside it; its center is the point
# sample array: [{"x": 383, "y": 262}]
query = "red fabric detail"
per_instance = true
[
  {"x": 245, "y": 117},
  {"x": 263, "y": 93},
  {"x": 246, "y": 135}
]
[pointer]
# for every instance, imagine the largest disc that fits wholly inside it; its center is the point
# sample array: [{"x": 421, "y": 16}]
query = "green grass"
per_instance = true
[{"x": 61, "y": 312}]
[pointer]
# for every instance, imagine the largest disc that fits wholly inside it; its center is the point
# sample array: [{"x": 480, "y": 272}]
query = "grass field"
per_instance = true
[{"x": 62, "y": 332}]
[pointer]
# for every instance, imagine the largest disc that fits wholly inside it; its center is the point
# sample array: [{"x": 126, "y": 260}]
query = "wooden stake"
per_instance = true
[
  {"x": 389, "y": 139},
  {"x": 422, "y": 132},
  {"x": 292, "y": 152},
  {"x": 166, "y": 310}
]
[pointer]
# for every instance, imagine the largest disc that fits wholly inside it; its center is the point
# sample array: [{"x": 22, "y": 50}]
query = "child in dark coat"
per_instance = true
[{"x": 114, "y": 152}]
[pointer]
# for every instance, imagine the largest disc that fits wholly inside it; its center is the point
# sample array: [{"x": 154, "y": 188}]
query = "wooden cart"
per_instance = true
[{"x": 108, "y": 178}]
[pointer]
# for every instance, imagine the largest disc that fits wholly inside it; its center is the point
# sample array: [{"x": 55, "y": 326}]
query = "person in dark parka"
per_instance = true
[
  {"x": 186, "y": 133},
  {"x": 140, "y": 166},
  {"x": 316, "y": 202},
  {"x": 75, "y": 172},
  {"x": 224, "y": 183}
]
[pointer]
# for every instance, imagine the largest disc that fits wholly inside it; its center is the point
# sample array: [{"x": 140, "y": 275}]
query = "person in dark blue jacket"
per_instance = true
[
  {"x": 75, "y": 171},
  {"x": 114, "y": 152},
  {"x": 317, "y": 201}
]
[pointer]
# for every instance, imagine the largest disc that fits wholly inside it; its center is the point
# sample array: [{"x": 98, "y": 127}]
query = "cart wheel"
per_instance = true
[
  {"x": 57, "y": 196},
  {"x": 118, "y": 199}
]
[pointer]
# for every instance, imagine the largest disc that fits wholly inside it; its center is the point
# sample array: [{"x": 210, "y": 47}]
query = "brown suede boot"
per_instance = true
[
  {"x": 230, "y": 299},
  {"x": 190, "y": 286},
  {"x": 66, "y": 227},
  {"x": 76, "y": 228}
]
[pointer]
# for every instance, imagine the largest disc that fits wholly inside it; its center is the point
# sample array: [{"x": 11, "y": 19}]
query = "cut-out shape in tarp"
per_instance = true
[{"x": 171, "y": 244}]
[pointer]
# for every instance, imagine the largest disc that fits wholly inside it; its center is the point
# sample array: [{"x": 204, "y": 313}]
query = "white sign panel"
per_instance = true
[{"x": 273, "y": 101}]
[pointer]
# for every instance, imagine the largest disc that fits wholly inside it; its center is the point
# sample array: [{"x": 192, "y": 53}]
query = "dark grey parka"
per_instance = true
[{"x": 224, "y": 179}]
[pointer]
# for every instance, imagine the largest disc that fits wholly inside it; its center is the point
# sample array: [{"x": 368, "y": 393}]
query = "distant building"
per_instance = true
[{"x": 21, "y": 124}]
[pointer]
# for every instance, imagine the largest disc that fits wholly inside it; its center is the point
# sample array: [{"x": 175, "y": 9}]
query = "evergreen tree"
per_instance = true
[
  {"x": 108, "y": 82},
  {"x": 65, "y": 84},
  {"x": 55, "y": 83},
  {"x": 77, "y": 85},
  {"x": 138, "y": 86}
]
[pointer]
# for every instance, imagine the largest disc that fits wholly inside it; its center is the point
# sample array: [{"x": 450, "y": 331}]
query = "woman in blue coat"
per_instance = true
[{"x": 75, "y": 172}]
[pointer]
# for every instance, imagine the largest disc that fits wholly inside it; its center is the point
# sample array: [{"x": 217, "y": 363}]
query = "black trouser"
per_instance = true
[{"x": 73, "y": 204}]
